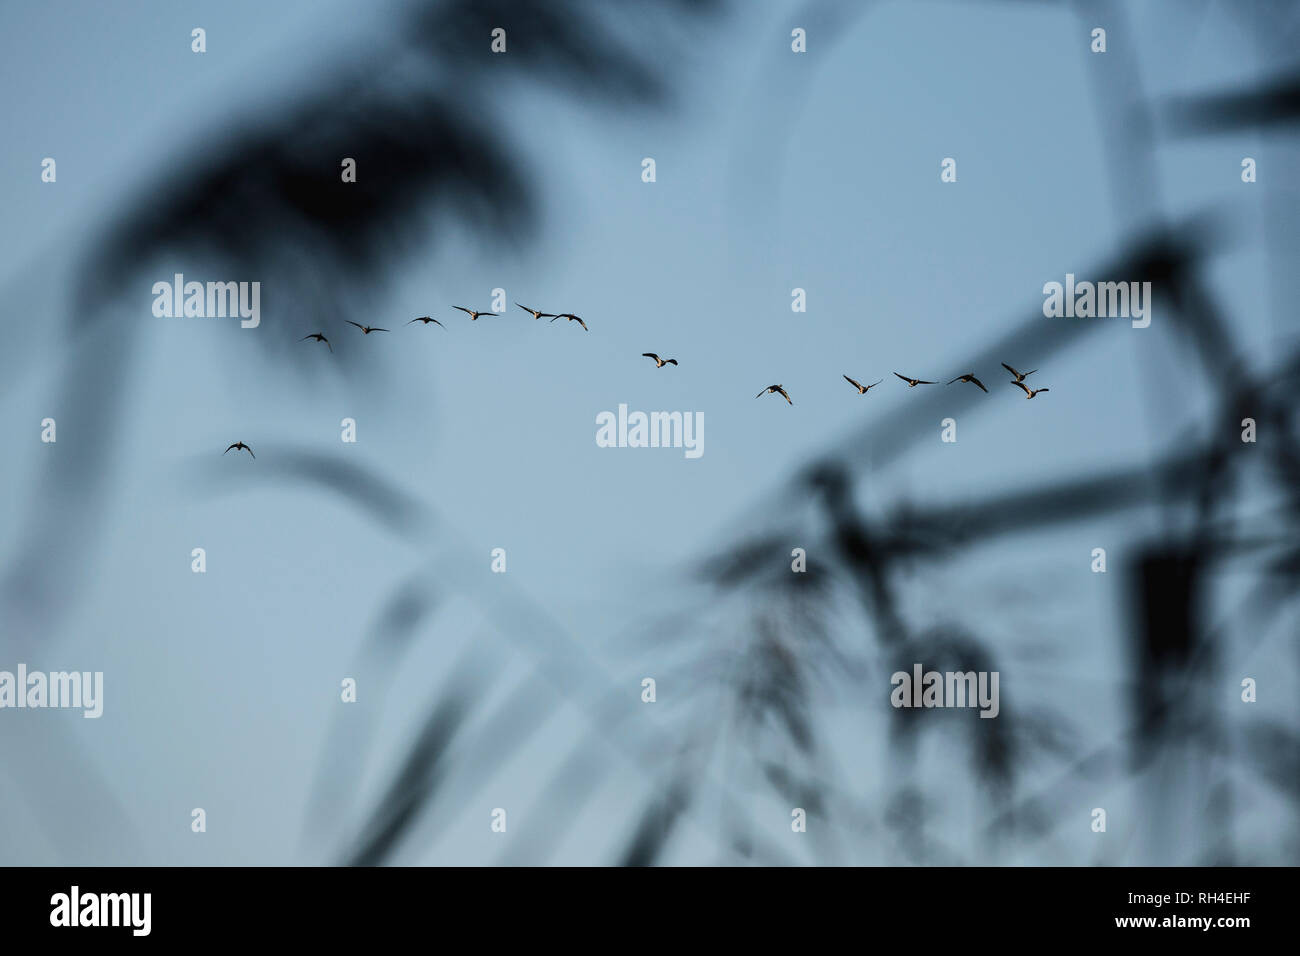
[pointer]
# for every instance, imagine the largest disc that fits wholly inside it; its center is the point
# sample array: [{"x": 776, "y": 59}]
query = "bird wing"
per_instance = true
[
  {"x": 250, "y": 451},
  {"x": 1010, "y": 369},
  {"x": 975, "y": 381},
  {"x": 437, "y": 323},
  {"x": 526, "y": 309},
  {"x": 306, "y": 337},
  {"x": 1021, "y": 386},
  {"x": 1044, "y": 389},
  {"x": 874, "y": 384},
  {"x": 759, "y": 395},
  {"x": 957, "y": 379},
  {"x": 357, "y": 324},
  {"x": 782, "y": 391},
  {"x": 650, "y": 355},
  {"x": 228, "y": 449},
  {"x": 670, "y": 361},
  {"x": 1030, "y": 372},
  {"x": 327, "y": 343},
  {"x": 583, "y": 324},
  {"x": 378, "y": 330},
  {"x": 904, "y": 378},
  {"x": 921, "y": 381},
  {"x": 463, "y": 309},
  {"x": 853, "y": 383},
  {"x": 413, "y": 320}
]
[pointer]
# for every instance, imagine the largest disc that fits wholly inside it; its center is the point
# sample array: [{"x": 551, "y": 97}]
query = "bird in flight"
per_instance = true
[
  {"x": 241, "y": 445},
  {"x": 779, "y": 389},
  {"x": 534, "y": 313},
  {"x": 471, "y": 313},
  {"x": 1019, "y": 376},
  {"x": 425, "y": 320},
  {"x": 862, "y": 389},
  {"x": 319, "y": 338},
  {"x": 367, "y": 329},
  {"x": 913, "y": 382},
  {"x": 969, "y": 378},
  {"x": 1025, "y": 388},
  {"x": 659, "y": 363},
  {"x": 572, "y": 318}
]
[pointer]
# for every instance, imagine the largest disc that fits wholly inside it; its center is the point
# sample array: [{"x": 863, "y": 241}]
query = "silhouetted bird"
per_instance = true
[
  {"x": 913, "y": 382},
  {"x": 1019, "y": 376},
  {"x": 572, "y": 318},
  {"x": 535, "y": 313},
  {"x": 471, "y": 313},
  {"x": 240, "y": 445},
  {"x": 862, "y": 389},
  {"x": 779, "y": 389},
  {"x": 425, "y": 320},
  {"x": 1025, "y": 388},
  {"x": 969, "y": 378},
  {"x": 319, "y": 338},
  {"x": 659, "y": 363},
  {"x": 367, "y": 329}
]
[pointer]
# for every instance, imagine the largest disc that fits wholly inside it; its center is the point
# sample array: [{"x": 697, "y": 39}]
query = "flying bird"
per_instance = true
[
  {"x": 913, "y": 382},
  {"x": 969, "y": 378},
  {"x": 535, "y": 313},
  {"x": 1025, "y": 388},
  {"x": 367, "y": 329},
  {"x": 425, "y": 320},
  {"x": 779, "y": 389},
  {"x": 1019, "y": 376},
  {"x": 471, "y": 313},
  {"x": 319, "y": 338},
  {"x": 572, "y": 318},
  {"x": 862, "y": 389},
  {"x": 659, "y": 363},
  {"x": 241, "y": 445}
]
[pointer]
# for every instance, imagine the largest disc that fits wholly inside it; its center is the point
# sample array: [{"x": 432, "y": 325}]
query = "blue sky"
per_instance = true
[{"x": 774, "y": 171}]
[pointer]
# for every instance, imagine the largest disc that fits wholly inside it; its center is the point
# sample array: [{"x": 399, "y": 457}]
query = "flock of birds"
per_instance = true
[
  {"x": 430, "y": 320},
  {"x": 1018, "y": 378},
  {"x": 473, "y": 317}
]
